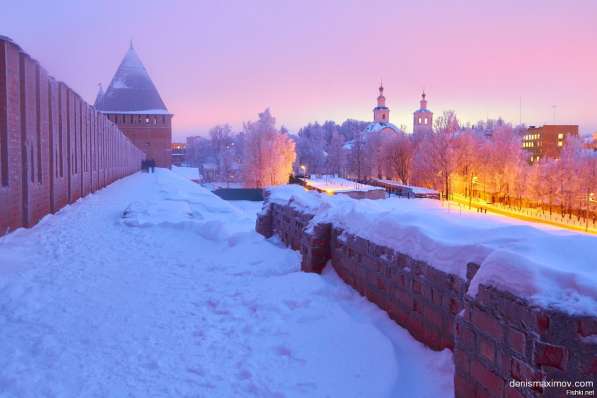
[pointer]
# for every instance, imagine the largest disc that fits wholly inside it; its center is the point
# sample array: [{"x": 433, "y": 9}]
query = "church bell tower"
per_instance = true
[{"x": 381, "y": 113}]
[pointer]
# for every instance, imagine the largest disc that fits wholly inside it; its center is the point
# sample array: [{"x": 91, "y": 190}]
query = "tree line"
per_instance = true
[{"x": 485, "y": 160}]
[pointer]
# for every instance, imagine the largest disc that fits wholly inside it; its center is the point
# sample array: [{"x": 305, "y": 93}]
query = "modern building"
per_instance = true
[
  {"x": 381, "y": 117},
  {"x": 178, "y": 153},
  {"x": 547, "y": 141},
  {"x": 422, "y": 118},
  {"x": 134, "y": 104}
]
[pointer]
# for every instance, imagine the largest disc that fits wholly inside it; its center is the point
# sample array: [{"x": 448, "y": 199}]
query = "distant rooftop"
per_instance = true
[
  {"x": 131, "y": 90},
  {"x": 378, "y": 126}
]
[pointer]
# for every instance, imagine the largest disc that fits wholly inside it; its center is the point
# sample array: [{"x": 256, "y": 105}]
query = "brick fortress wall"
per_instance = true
[
  {"x": 150, "y": 133},
  {"x": 54, "y": 147},
  {"x": 496, "y": 338}
]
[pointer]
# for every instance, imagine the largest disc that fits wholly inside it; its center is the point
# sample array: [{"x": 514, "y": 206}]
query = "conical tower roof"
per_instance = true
[{"x": 131, "y": 90}]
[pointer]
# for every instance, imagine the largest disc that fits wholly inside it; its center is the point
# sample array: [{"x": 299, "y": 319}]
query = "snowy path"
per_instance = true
[{"x": 184, "y": 299}]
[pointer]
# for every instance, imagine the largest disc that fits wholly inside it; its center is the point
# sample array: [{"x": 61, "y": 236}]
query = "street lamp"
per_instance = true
[
  {"x": 304, "y": 170},
  {"x": 474, "y": 181}
]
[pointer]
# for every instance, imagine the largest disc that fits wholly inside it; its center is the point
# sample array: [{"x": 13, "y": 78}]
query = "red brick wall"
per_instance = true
[
  {"x": 85, "y": 150},
  {"x": 502, "y": 338},
  {"x": 150, "y": 133},
  {"x": 496, "y": 337},
  {"x": 35, "y": 140},
  {"x": 11, "y": 184},
  {"x": 51, "y": 143},
  {"x": 57, "y": 144}
]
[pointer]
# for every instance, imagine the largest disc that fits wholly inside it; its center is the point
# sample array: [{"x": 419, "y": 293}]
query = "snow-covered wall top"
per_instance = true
[
  {"x": 336, "y": 184},
  {"x": 547, "y": 266}
]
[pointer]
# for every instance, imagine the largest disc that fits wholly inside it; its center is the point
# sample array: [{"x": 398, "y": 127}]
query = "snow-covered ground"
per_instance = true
[
  {"x": 414, "y": 189},
  {"x": 192, "y": 173},
  {"x": 154, "y": 287},
  {"x": 337, "y": 184},
  {"x": 549, "y": 266}
]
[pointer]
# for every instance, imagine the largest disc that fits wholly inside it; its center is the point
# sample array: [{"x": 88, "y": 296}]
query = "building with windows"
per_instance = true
[
  {"x": 422, "y": 118},
  {"x": 134, "y": 104},
  {"x": 547, "y": 141},
  {"x": 178, "y": 153}
]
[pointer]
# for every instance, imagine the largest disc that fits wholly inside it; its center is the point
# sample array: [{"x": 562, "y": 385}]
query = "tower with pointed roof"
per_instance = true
[
  {"x": 134, "y": 104},
  {"x": 422, "y": 117}
]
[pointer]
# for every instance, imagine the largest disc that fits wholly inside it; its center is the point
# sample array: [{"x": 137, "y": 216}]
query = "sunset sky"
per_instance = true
[{"x": 223, "y": 62}]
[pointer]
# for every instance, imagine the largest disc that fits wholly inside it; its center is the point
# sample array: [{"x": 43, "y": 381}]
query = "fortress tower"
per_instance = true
[{"x": 134, "y": 104}]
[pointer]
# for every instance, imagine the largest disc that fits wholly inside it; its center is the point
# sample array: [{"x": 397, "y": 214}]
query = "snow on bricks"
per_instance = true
[
  {"x": 419, "y": 297},
  {"x": 54, "y": 147},
  {"x": 502, "y": 335},
  {"x": 498, "y": 335}
]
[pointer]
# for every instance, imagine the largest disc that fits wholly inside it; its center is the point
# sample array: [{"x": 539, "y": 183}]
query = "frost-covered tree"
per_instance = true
[
  {"x": 310, "y": 148},
  {"x": 401, "y": 150},
  {"x": 503, "y": 160},
  {"x": 268, "y": 153},
  {"x": 357, "y": 156},
  {"x": 221, "y": 140},
  {"x": 336, "y": 154},
  {"x": 352, "y": 129},
  {"x": 434, "y": 158}
]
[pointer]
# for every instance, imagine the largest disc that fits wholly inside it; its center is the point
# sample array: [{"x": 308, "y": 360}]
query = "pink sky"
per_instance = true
[{"x": 223, "y": 62}]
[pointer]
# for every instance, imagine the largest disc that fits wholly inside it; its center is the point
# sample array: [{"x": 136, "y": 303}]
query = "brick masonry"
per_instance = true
[
  {"x": 495, "y": 337},
  {"x": 54, "y": 147},
  {"x": 150, "y": 133}
]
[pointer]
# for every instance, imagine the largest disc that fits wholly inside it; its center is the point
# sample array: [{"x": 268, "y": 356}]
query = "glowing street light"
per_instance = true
[{"x": 304, "y": 169}]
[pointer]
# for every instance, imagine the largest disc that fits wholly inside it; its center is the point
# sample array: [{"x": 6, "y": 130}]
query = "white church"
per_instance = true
[{"x": 422, "y": 117}]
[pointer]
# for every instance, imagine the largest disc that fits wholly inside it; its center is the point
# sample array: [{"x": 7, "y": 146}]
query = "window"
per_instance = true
[
  {"x": 560, "y": 143},
  {"x": 146, "y": 120},
  {"x": 561, "y": 136},
  {"x": 425, "y": 120},
  {"x": 419, "y": 120}
]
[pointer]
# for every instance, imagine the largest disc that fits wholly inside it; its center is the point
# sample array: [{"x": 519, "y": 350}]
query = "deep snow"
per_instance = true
[
  {"x": 155, "y": 287},
  {"x": 337, "y": 184},
  {"x": 549, "y": 266}
]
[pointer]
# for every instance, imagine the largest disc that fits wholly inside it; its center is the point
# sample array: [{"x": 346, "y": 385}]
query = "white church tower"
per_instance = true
[
  {"x": 381, "y": 113},
  {"x": 423, "y": 118}
]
